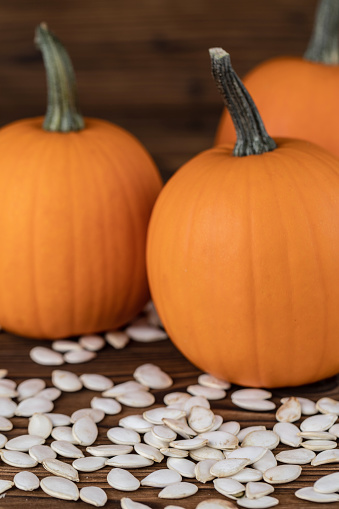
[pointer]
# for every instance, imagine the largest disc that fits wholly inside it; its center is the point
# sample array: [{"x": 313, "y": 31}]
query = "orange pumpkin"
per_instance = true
[
  {"x": 243, "y": 250},
  {"x": 75, "y": 204},
  {"x": 299, "y": 97}
]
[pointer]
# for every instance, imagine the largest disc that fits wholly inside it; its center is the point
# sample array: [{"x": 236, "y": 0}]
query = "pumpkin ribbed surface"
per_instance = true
[
  {"x": 242, "y": 259},
  {"x": 73, "y": 219}
]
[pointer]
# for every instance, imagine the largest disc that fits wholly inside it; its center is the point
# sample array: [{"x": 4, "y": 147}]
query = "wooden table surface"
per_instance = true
[{"x": 119, "y": 365}]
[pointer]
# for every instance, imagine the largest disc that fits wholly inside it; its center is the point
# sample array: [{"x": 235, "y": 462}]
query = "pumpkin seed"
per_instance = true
[
  {"x": 255, "y": 404},
  {"x": 66, "y": 449},
  {"x": 161, "y": 478},
  {"x": 129, "y": 461},
  {"x": 201, "y": 419},
  {"x": 65, "y": 345},
  {"x": 89, "y": 463},
  {"x": 64, "y": 433},
  {"x": 59, "y": 487},
  {"x": 151, "y": 440},
  {"x": 94, "y": 382},
  {"x": 232, "y": 427},
  {"x": 145, "y": 333},
  {"x": 3, "y": 440},
  {"x": 267, "y": 461},
  {"x": 296, "y": 457},
  {"x": 209, "y": 393},
  {"x": 122, "y": 388},
  {"x": 313, "y": 496},
  {"x": 318, "y": 422},
  {"x": 3, "y": 373},
  {"x": 149, "y": 452},
  {"x": 245, "y": 431},
  {"x": 92, "y": 342},
  {"x": 59, "y": 419},
  {"x": 259, "y": 503},
  {"x": 117, "y": 339},
  {"x": 17, "y": 459},
  {"x": 123, "y": 436},
  {"x": 85, "y": 431},
  {"x": 282, "y": 474},
  {"x": 5, "y": 424},
  {"x": 252, "y": 453},
  {"x": 122, "y": 480},
  {"x": 228, "y": 467},
  {"x": 176, "y": 398},
  {"x": 180, "y": 427},
  {"x": 66, "y": 381},
  {"x": 247, "y": 474},
  {"x": 46, "y": 356},
  {"x": 51, "y": 393},
  {"x": 93, "y": 495},
  {"x": 288, "y": 433},
  {"x": 213, "y": 503},
  {"x": 307, "y": 406},
  {"x": 107, "y": 405},
  {"x": 328, "y": 456},
  {"x": 7, "y": 407},
  {"x": 61, "y": 469},
  {"x": 79, "y": 356},
  {"x": 206, "y": 453},
  {"x": 251, "y": 394},
  {"x": 152, "y": 376},
  {"x": 267, "y": 439},
  {"x": 178, "y": 490},
  {"x": 290, "y": 411},
  {"x": 202, "y": 470},
  {"x": 23, "y": 443},
  {"x": 256, "y": 490},
  {"x": 211, "y": 381},
  {"x": 334, "y": 430},
  {"x": 31, "y": 387},
  {"x": 34, "y": 405},
  {"x": 164, "y": 433},
  {"x": 229, "y": 487},
  {"x": 5, "y": 485},
  {"x": 6, "y": 382},
  {"x": 184, "y": 466},
  {"x": 195, "y": 401},
  {"x": 26, "y": 481},
  {"x": 156, "y": 415},
  {"x": 128, "y": 503},
  {"x": 41, "y": 452},
  {"x": 189, "y": 444},
  {"x": 319, "y": 445},
  {"x": 135, "y": 422},
  {"x": 327, "y": 484},
  {"x": 218, "y": 420},
  {"x": 173, "y": 453},
  {"x": 95, "y": 414},
  {"x": 7, "y": 392},
  {"x": 220, "y": 440},
  {"x": 328, "y": 406},
  {"x": 109, "y": 450},
  {"x": 40, "y": 425},
  {"x": 137, "y": 399},
  {"x": 317, "y": 435}
]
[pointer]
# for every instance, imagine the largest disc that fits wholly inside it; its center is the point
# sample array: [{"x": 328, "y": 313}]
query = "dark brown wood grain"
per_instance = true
[
  {"x": 119, "y": 365},
  {"x": 144, "y": 64}
]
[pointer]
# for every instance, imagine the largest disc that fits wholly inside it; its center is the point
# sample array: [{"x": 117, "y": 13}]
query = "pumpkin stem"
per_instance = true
[
  {"x": 252, "y": 138},
  {"x": 62, "y": 113},
  {"x": 323, "y": 46}
]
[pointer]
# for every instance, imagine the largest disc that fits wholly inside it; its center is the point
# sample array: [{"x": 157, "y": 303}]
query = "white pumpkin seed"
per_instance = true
[
  {"x": 7, "y": 407},
  {"x": 95, "y": 414},
  {"x": 93, "y": 495},
  {"x": 282, "y": 474},
  {"x": 79, "y": 356},
  {"x": 94, "y": 382},
  {"x": 334, "y": 430},
  {"x": 229, "y": 487},
  {"x": 5, "y": 485},
  {"x": 180, "y": 427},
  {"x": 164, "y": 433},
  {"x": 161, "y": 478},
  {"x": 267, "y": 439},
  {"x": 5, "y": 424},
  {"x": 26, "y": 481},
  {"x": 122, "y": 480},
  {"x": 202, "y": 470},
  {"x": 40, "y": 425},
  {"x": 66, "y": 381},
  {"x": 17, "y": 459},
  {"x": 65, "y": 345},
  {"x": 34, "y": 405},
  {"x": 119, "y": 389},
  {"x": 66, "y": 449},
  {"x": 251, "y": 394},
  {"x": 317, "y": 435},
  {"x": 201, "y": 419},
  {"x": 64, "y": 433},
  {"x": 318, "y": 422},
  {"x": 136, "y": 422},
  {"x": 245, "y": 431},
  {"x": 152, "y": 376},
  {"x": 211, "y": 381},
  {"x": 218, "y": 420},
  {"x": 228, "y": 467},
  {"x": 328, "y": 406},
  {"x": 184, "y": 466},
  {"x": 232, "y": 427},
  {"x": 107, "y": 451},
  {"x": 108, "y": 405},
  {"x": 59, "y": 419},
  {"x": 195, "y": 401},
  {"x": 117, "y": 339},
  {"x": 128, "y": 503},
  {"x": 307, "y": 406},
  {"x": 41, "y": 452},
  {"x": 153, "y": 441},
  {"x": 92, "y": 342},
  {"x": 189, "y": 444},
  {"x": 31, "y": 387},
  {"x": 89, "y": 463},
  {"x": 296, "y": 457},
  {"x": 176, "y": 398},
  {"x": 23, "y": 443},
  {"x": 178, "y": 490},
  {"x": 3, "y": 440},
  {"x": 247, "y": 474},
  {"x": 259, "y": 503},
  {"x": 6, "y": 382},
  {"x": 156, "y": 415},
  {"x": 61, "y": 469},
  {"x": 212, "y": 503},
  {"x": 46, "y": 356},
  {"x": 209, "y": 393},
  {"x": 252, "y": 453},
  {"x": 311, "y": 495},
  {"x": 254, "y": 404},
  {"x": 51, "y": 393},
  {"x": 206, "y": 453},
  {"x": 256, "y": 490},
  {"x": 85, "y": 431},
  {"x": 319, "y": 445},
  {"x": 290, "y": 411},
  {"x": 123, "y": 436},
  {"x": 59, "y": 487},
  {"x": 173, "y": 453},
  {"x": 129, "y": 461},
  {"x": 145, "y": 333},
  {"x": 149, "y": 452},
  {"x": 137, "y": 399},
  {"x": 267, "y": 461},
  {"x": 7, "y": 392},
  {"x": 288, "y": 433},
  {"x": 328, "y": 456},
  {"x": 327, "y": 484}
]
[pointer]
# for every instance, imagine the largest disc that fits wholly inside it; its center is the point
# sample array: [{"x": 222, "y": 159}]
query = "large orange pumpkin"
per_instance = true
[
  {"x": 76, "y": 197},
  {"x": 298, "y": 97},
  {"x": 243, "y": 250}
]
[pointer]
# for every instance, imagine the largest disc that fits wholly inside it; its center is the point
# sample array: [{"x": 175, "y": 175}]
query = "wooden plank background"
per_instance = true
[{"x": 144, "y": 63}]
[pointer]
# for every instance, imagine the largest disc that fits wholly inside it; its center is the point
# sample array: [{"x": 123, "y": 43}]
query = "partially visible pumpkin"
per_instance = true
[
  {"x": 243, "y": 250},
  {"x": 76, "y": 197},
  {"x": 298, "y": 97}
]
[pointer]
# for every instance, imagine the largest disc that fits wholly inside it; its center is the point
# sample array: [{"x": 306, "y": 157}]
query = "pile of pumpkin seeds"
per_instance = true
[{"x": 195, "y": 443}]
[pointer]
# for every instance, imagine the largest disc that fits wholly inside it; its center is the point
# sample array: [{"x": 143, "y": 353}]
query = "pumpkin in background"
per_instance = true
[
  {"x": 298, "y": 97},
  {"x": 243, "y": 250},
  {"x": 76, "y": 197}
]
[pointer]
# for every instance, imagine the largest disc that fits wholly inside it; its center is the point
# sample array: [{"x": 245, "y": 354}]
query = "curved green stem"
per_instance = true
[
  {"x": 62, "y": 113},
  {"x": 324, "y": 45},
  {"x": 252, "y": 138}
]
